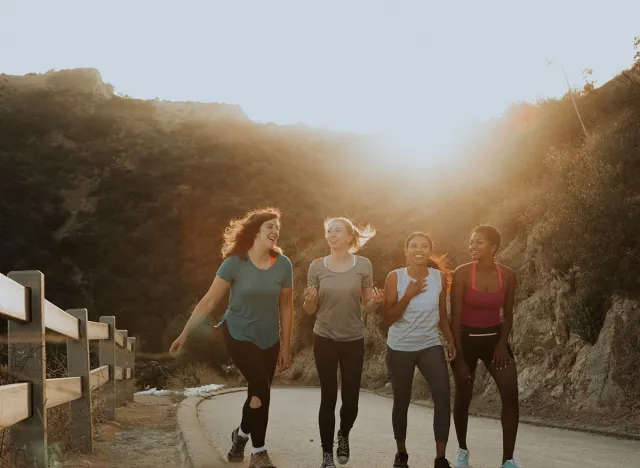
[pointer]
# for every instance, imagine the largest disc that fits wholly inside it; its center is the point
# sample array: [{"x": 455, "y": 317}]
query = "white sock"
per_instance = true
[
  {"x": 259, "y": 449},
  {"x": 242, "y": 434}
]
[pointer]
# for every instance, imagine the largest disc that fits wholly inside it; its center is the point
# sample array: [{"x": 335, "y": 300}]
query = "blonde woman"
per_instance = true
[
  {"x": 258, "y": 322},
  {"x": 340, "y": 289}
]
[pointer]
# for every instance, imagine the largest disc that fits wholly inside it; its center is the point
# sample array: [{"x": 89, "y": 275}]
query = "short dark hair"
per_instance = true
[{"x": 490, "y": 233}]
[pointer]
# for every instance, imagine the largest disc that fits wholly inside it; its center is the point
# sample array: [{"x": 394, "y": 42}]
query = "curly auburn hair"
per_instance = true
[{"x": 240, "y": 234}]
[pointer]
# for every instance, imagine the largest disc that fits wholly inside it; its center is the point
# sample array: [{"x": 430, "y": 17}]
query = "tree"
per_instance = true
[{"x": 589, "y": 86}]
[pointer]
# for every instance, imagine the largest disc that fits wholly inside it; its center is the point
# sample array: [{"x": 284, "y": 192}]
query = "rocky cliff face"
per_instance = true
[{"x": 555, "y": 364}]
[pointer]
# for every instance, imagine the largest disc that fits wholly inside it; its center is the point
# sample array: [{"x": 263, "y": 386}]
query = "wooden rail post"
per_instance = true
[
  {"x": 129, "y": 385},
  {"x": 108, "y": 357},
  {"x": 131, "y": 363},
  {"x": 121, "y": 361},
  {"x": 78, "y": 366},
  {"x": 27, "y": 363}
]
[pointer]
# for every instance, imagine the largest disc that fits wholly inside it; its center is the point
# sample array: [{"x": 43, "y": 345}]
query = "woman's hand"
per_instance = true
[
  {"x": 451, "y": 352},
  {"x": 416, "y": 287},
  {"x": 177, "y": 347},
  {"x": 310, "y": 294},
  {"x": 378, "y": 296},
  {"x": 501, "y": 356},
  {"x": 461, "y": 369},
  {"x": 284, "y": 359}
]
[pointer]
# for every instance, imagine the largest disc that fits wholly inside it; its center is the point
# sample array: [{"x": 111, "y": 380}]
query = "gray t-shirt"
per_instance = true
[{"x": 339, "y": 313}]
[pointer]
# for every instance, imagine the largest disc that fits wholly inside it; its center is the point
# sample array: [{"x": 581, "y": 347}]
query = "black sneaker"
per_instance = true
[
  {"x": 441, "y": 463},
  {"x": 327, "y": 460},
  {"x": 238, "y": 443},
  {"x": 401, "y": 460},
  {"x": 342, "y": 452}
]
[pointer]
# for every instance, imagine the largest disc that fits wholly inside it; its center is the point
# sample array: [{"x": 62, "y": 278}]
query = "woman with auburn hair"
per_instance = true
[
  {"x": 415, "y": 306},
  {"x": 258, "y": 322},
  {"x": 480, "y": 291},
  {"x": 340, "y": 289}
]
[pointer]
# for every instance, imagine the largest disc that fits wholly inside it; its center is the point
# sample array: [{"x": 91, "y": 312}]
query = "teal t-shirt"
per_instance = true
[{"x": 253, "y": 313}]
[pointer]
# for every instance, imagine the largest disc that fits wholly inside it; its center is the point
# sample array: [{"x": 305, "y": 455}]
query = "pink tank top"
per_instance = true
[{"x": 482, "y": 310}]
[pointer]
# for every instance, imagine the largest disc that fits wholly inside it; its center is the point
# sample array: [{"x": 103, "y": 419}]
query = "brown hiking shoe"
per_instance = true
[
  {"x": 261, "y": 460},
  {"x": 238, "y": 443}
]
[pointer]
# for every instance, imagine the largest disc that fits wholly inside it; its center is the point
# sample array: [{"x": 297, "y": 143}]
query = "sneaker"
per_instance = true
[
  {"x": 401, "y": 460},
  {"x": 327, "y": 460},
  {"x": 261, "y": 460},
  {"x": 238, "y": 443},
  {"x": 510, "y": 464},
  {"x": 342, "y": 452},
  {"x": 441, "y": 463},
  {"x": 462, "y": 459}
]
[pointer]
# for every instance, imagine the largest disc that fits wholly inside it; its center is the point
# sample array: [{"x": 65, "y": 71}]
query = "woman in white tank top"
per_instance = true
[{"x": 415, "y": 310}]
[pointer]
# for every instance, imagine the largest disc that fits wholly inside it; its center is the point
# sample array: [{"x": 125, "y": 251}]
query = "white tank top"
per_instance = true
[{"x": 418, "y": 327}]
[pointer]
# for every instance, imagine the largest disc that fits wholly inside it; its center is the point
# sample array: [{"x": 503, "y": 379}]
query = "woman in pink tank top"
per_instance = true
[{"x": 482, "y": 298}]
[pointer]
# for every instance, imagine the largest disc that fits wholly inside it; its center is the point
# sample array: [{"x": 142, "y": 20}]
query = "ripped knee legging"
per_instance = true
[{"x": 258, "y": 366}]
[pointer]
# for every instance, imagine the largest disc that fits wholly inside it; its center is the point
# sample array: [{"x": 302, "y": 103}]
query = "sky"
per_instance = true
[{"x": 418, "y": 73}]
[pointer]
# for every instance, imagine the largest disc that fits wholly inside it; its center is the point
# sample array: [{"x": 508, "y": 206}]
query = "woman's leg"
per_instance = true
[
  {"x": 401, "y": 366},
  {"x": 351, "y": 357},
  {"x": 507, "y": 382},
  {"x": 269, "y": 361},
  {"x": 326, "y": 357},
  {"x": 432, "y": 365},
  {"x": 248, "y": 358},
  {"x": 463, "y": 395}
]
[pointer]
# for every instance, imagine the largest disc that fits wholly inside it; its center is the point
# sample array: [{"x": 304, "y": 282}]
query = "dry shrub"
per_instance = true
[
  {"x": 302, "y": 370},
  {"x": 193, "y": 375}
]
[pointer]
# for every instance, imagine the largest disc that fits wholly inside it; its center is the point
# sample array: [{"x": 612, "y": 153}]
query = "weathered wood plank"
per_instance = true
[
  {"x": 63, "y": 390},
  {"x": 99, "y": 377},
  {"x": 13, "y": 300},
  {"x": 14, "y": 404},
  {"x": 59, "y": 321},
  {"x": 97, "y": 331},
  {"x": 118, "y": 338}
]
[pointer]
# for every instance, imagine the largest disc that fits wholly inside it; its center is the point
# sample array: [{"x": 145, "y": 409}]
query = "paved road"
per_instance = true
[{"x": 293, "y": 439}]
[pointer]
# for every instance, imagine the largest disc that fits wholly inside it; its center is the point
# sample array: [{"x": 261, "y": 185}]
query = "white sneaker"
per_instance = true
[
  {"x": 462, "y": 459},
  {"x": 510, "y": 464}
]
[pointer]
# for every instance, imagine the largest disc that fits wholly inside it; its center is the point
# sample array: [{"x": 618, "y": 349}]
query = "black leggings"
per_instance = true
[
  {"x": 258, "y": 366},
  {"x": 432, "y": 365},
  {"x": 328, "y": 354},
  {"x": 479, "y": 344}
]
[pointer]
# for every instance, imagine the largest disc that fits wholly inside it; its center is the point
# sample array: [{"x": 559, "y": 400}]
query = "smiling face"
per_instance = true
[
  {"x": 418, "y": 250},
  {"x": 480, "y": 248},
  {"x": 337, "y": 235},
  {"x": 269, "y": 233}
]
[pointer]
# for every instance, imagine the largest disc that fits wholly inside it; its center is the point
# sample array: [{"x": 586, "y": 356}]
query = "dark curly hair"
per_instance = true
[
  {"x": 490, "y": 233},
  {"x": 241, "y": 233}
]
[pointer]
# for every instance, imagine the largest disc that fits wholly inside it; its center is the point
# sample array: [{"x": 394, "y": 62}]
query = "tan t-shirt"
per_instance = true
[{"x": 339, "y": 313}]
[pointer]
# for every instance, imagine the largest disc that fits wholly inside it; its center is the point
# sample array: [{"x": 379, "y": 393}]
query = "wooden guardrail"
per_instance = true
[{"x": 33, "y": 320}]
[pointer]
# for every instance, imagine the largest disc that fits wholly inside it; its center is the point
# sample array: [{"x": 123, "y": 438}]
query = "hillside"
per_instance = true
[{"x": 122, "y": 202}]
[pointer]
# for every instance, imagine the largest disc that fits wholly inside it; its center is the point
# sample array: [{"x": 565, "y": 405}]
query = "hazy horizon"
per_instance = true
[{"x": 416, "y": 73}]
